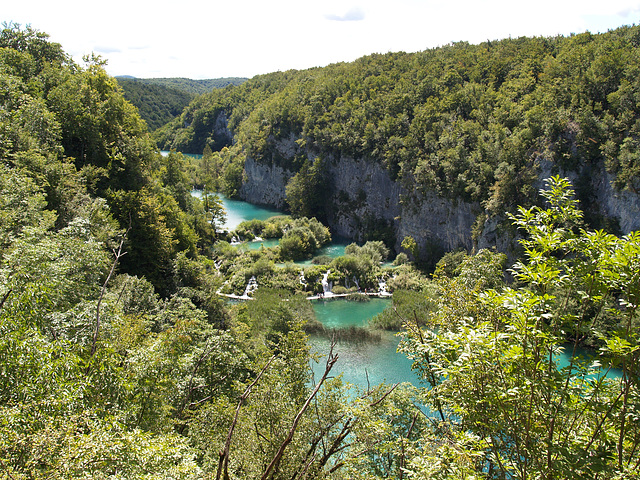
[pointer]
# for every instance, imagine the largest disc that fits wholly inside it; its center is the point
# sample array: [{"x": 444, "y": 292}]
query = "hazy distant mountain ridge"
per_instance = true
[{"x": 195, "y": 87}]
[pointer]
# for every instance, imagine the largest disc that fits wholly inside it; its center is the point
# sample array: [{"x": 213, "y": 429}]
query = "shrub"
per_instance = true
[
  {"x": 401, "y": 259},
  {"x": 358, "y": 297},
  {"x": 322, "y": 260}
]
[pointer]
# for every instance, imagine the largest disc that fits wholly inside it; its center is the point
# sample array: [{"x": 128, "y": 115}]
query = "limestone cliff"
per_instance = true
[
  {"x": 264, "y": 184},
  {"x": 360, "y": 196}
]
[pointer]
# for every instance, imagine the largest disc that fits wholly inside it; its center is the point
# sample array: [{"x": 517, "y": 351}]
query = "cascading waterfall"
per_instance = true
[
  {"x": 326, "y": 286},
  {"x": 251, "y": 287},
  {"x": 382, "y": 288}
]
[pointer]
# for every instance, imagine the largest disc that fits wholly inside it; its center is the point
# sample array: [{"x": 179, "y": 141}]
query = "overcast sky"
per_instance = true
[{"x": 242, "y": 38}]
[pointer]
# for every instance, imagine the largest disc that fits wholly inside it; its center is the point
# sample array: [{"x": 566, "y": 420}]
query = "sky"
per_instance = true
[{"x": 243, "y": 38}]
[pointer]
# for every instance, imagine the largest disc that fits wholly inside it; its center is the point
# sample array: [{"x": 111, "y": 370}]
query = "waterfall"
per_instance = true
[
  {"x": 326, "y": 286},
  {"x": 382, "y": 288},
  {"x": 251, "y": 287}
]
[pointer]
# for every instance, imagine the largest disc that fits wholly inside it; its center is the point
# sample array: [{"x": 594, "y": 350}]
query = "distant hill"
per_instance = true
[
  {"x": 196, "y": 87},
  {"x": 160, "y": 100},
  {"x": 473, "y": 123},
  {"x": 157, "y": 104}
]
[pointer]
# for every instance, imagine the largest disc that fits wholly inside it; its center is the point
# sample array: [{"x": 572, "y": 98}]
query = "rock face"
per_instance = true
[
  {"x": 624, "y": 206},
  {"x": 221, "y": 131},
  {"x": 264, "y": 184},
  {"x": 361, "y": 197},
  {"x": 621, "y": 206}
]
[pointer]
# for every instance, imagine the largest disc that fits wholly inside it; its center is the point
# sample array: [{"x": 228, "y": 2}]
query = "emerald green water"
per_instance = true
[
  {"x": 266, "y": 243},
  {"x": 334, "y": 249},
  {"x": 339, "y": 313},
  {"x": 239, "y": 211},
  {"x": 360, "y": 363}
]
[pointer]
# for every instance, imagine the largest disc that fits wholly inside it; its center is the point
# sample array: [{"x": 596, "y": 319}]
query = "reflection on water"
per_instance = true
[{"x": 361, "y": 363}]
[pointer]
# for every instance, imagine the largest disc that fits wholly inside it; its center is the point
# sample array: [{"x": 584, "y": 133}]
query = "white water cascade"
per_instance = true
[
  {"x": 382, "y": 288},
  {"x": 251, "y": 287},
  {"x": 326, "y": 286}
]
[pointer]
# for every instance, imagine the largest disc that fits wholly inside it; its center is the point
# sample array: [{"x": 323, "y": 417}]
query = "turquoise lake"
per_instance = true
[
  {"x": 360, "y": 363},
  {"x": 239, "y": 211}
]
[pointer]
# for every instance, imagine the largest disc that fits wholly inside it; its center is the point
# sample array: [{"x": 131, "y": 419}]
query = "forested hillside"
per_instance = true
[
  {"x": 118, "y": 359},
  {"x": 94, "y": 224},
  {"x": 195, "y": 87},
  {"x": 156, "y": 104},
  {"x": 469, "y": 122},
  {"x": 160, "y": 100}
]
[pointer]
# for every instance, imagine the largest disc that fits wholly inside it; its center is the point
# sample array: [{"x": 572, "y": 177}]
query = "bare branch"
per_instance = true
[
  {"x": 402, "y": 456},
  {"x": 190, "y": 388},
  {"x": 384, "y": 396},
  {"x": 223, "y": 463},
  {"x": 118, "y": 254},
  {"x": 4, "y": 299},
  {"x": 331, "y": 360}
]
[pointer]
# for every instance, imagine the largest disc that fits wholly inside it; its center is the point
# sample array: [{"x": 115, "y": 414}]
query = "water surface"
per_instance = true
[
  {"x": 334, "y": 249},
  {"x": 239, "y": 211},
  {"x": 360, "y": 362}
]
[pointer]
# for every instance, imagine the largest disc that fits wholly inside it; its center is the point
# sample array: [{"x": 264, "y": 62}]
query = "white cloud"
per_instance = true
[{"x": 354, "y": 14}]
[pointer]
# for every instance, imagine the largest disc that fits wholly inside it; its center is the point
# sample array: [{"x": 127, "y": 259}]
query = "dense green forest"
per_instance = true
[
  {"x": 465, "y": 121},
  {"x": 195, "y": 87},
  {"x": 120, "y": 360},
  {"x": 160, "y": 100},
  {"x": 156, "y": 104}
]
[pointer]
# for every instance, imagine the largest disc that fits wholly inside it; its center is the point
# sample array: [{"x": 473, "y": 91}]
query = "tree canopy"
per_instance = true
[
  {"x": 157, "y": 104},
  {"x": 120, "y": 359},
  {"x": 474, "y": 122}
]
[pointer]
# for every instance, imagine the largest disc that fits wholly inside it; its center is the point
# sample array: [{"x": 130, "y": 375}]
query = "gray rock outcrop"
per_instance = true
[{"x": 360, "y": 195}]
